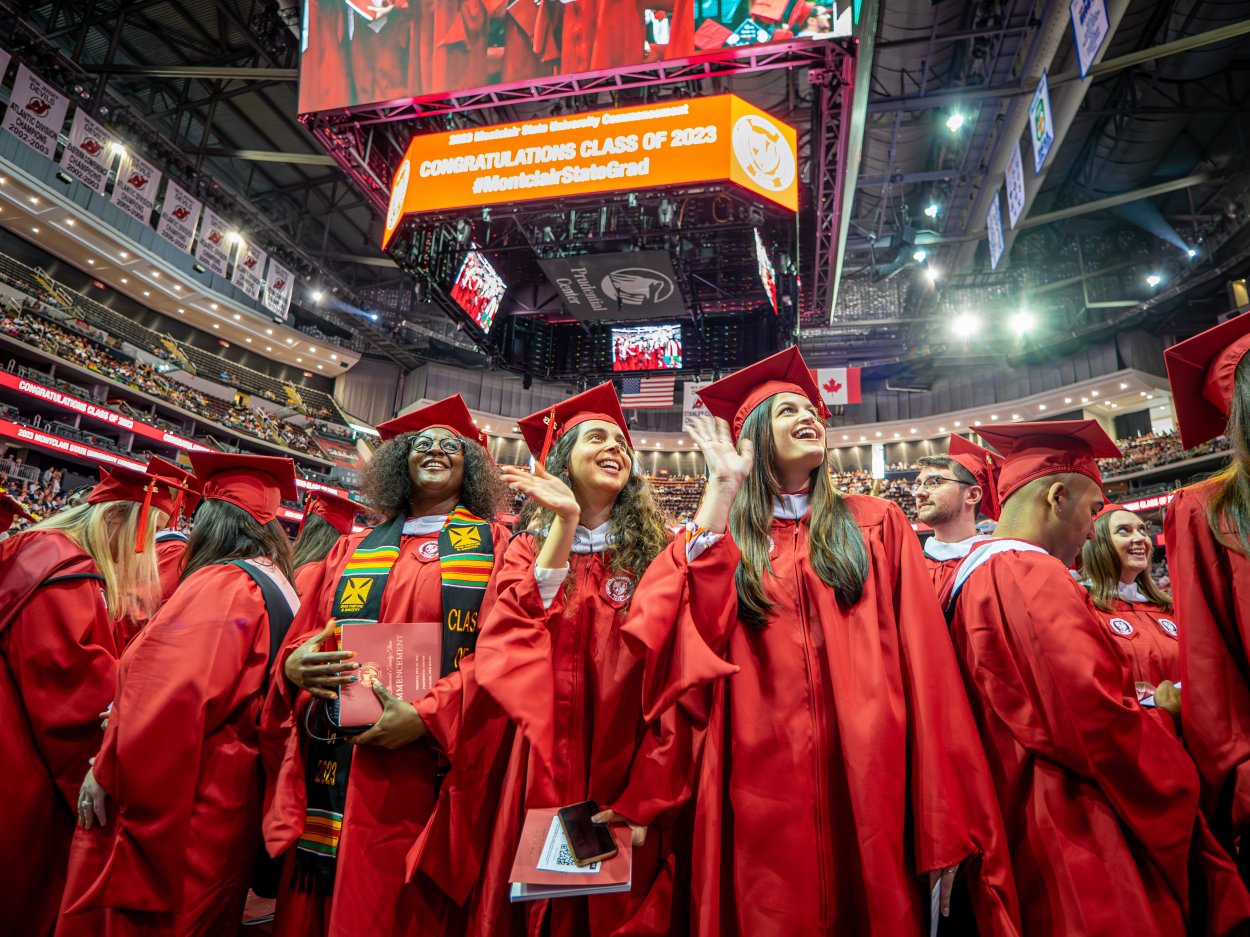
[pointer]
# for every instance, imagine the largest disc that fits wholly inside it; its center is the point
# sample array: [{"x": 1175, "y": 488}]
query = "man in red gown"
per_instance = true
[
  {"x": 950, "y": 491},
  {"x": 58, "y": 664},
  {"x": 1099, "y": 797}
]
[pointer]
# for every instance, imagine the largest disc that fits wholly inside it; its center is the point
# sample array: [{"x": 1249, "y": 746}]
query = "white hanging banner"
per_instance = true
[
  {"x": 179, "y": 216},
  {"x": 279, "y": 285},
  {"x": 247, "y": 269},
  {"x": 134, "y": 192},
  {"x": 213, "y": 251},
  {"x": 36, "y": 112},
  {"x": 1015, "y": 185},
  {"x": 88, "y": 154},
  {"x": 691, "y": 405},
  {"x": 1090, "y": 28},
  {"x": 994, "y": 229},
  {"x": 1041, "y": 125}
]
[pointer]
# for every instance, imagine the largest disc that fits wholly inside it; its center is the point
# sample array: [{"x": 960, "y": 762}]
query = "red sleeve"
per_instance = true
[
  {"x": 175, "y": 682},
  {"x": 661, "y": 777},
  {"x": 1214, "y": 609},
  {"x": 680, "y": 620},
  {"x": 64, "y": 666},
  {"x": 1050, "y": 673}
]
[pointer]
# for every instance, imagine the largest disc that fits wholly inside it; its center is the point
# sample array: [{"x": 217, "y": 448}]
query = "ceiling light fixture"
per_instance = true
[
  {"x": 1153, "y": 280},
  {"x": 955, "y": 121}
]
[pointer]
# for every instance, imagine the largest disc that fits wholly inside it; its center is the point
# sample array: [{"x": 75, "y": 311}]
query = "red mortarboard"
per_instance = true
[
  {"x": 151, "y": 491},
  {"x": 1201, "y": 370},
  {"x": 985, "y": 468},
  {"x": 340, "y": 513},
  {"x": 450, "y": 413},
  {"x": 733, "y": 398},
  {"x": 256, "y": 483},
  {"x": 543, "y": 428},
  {"x": 1035, "y": 450},
  {"x": 1108, "y": 508},
  {"x": 188, "y": 495},
  {"x": 10, "y": 510}
]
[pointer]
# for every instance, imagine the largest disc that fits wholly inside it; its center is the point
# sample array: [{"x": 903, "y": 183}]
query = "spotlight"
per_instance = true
[
  {"x": 955, "y": 121},
  {"x": 932, "y": 274},
  {"x": 374, "y": 317},
  {"x": 1153, "y": 280},
  {"x": 964, "y": 325},
  {"x": 316, "y": 296},
  {"x": 931, "y": 210},
  {"x": 1022, "y": 322},
  {"x": 919, "y": 256},
  {"x": 1191, "y": 253}
]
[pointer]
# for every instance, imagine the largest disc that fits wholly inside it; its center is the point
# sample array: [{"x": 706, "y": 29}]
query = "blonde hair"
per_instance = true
[{"x": 132, "y": 585}]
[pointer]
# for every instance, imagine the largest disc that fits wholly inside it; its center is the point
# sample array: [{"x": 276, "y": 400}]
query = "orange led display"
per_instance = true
[{"x": 672, "y": 143}]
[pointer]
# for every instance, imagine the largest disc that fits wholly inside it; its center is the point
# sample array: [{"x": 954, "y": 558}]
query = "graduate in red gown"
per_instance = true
[
  {"x": 841, "y": 775},
  {"x": 167, "y": 844},
  {"x": 64, "y": 584},
  {"x": 171, "y": 543},
  {"x": 346, "y": 810},
  {"x": 950, "y": 491},
  {"x": 1207, "y": 528},
  {"x": 552, "y": 656},
  {"x": 1136, "y": 612},
  {"x": 1099, "y": 797},
  {"x": 327, "y": 518}
]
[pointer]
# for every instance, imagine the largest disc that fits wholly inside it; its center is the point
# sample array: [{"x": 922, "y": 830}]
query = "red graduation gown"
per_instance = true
[
  {"x": 1099, "y": 798},
  {"x": 1211, "y": 587},
  {"x": 841, "y": 761},
  {"x": 942, "y": 574},
  {"x": 1148, "y": 638},
  {"x": 58, "y": 665},
  {"x": 169, "y": 557},
  {"x": 564, "y": 675},
  {"x": 181, "y": 763},
  {"x": 390, "y": 794}
]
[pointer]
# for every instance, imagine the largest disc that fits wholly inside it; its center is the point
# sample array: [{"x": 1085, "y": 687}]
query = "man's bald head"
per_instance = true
[{"x": 1054, "y": 511}]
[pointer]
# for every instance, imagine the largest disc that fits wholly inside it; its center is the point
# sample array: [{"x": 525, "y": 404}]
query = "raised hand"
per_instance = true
[
  {"x": 544, "y": 489},
  {"x": 727, "y": 464}
]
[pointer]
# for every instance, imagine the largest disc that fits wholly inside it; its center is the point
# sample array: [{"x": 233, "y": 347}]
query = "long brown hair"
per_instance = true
[
  {"x": 1228, "y": 512},
  {"x": 1102, "y": 571},
  {"x": 837, "y": 549},
  {"x": 224, "y": 531},
  {"x": 315, "y": 541},
  {"x": 637, "y": 527},
  {"x": 388, "y": 489}
]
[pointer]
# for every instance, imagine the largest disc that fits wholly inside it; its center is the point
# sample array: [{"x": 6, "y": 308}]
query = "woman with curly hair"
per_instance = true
[
  {"x": 552, "y": 657},
  {"x": 347, "y": 808},
  {"x": 841, "y": 776}
]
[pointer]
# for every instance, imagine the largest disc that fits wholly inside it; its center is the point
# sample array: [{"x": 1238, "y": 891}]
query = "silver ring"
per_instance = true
[{"x": 84, "y": 803}]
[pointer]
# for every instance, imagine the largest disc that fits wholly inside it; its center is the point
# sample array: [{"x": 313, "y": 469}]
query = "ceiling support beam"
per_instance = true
[
  {"x": 272, "y": 156},
  {"x": 201, "y": 72}
]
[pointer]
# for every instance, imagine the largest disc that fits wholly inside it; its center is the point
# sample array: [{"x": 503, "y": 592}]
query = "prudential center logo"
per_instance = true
[{"x": 761, "y": 150}]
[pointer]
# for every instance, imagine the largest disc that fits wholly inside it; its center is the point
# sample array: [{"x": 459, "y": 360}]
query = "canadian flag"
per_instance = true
[{"x": 838, "y": 385}]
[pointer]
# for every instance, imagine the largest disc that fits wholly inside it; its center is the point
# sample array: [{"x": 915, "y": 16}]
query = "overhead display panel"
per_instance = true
[
  {"x": 718, "y": 138},
  {"x": 357, "y": 53}
]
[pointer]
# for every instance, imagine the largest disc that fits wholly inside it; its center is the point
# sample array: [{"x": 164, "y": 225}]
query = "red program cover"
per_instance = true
[
  {"x": 404, "y": 656},
  {"x": 610, "y": 875}
]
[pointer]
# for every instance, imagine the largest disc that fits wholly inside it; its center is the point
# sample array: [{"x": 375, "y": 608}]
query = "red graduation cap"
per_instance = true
[
  {"x": 10, "y": 510},
  {"x": 733, "y": 398},
  {"x": 1035, "y": 450},
  {"x": 122, "y": 484},
  {"x": 1200, "y": 370},
  {"x": 188, "y": 495},
  {"x": 339, "y": 512},
  {"x": 985, "y": 468},
  {"x": 1108, "y": 508},
  {"x": 256, "y": 483},
  {"x": 543, "y": 428},
  {"x": 450, "y": 413}
]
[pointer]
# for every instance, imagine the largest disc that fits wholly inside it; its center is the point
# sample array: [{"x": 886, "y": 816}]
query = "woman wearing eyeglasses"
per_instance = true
[
  {"x": 1137, "y": 613},
  {"x": 346, "y": 810}
]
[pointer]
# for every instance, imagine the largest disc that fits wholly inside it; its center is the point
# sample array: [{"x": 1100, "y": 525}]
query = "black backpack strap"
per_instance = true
[
  {"x": 71, "y": 577},
  {"x": 276, "y": 606}
]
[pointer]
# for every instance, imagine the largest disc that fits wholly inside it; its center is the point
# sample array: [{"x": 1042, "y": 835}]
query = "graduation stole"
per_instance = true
[{"x": 466, "y": 556}]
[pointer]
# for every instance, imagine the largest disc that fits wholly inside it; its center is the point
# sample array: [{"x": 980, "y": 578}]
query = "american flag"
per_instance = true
[{"x": 638, "y": 392}]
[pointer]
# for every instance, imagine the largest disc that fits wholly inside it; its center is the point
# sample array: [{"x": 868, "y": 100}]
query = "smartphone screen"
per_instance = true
[{"x": 588, "y": 841}]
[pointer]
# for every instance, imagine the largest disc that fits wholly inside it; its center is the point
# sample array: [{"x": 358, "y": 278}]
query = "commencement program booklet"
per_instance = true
[
  {"x": 544, "y": 866},
  {"x": 404, "y": 656}
]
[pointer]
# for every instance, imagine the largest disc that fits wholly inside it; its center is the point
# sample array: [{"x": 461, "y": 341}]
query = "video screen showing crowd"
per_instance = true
[
  {"x": 646, "y": 348},
  {"x": 783, "y": 717}
]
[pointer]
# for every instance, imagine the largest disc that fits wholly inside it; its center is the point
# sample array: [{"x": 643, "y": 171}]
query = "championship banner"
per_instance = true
[
  {"x": 994, "y": 230},
  {"x": 248, "y": 265},
  {"x": 134, "y": 192},
  {"x": 179, "y": 216},
  {"x": 1041, "y": 125},
  {"x": 838, "y": 386},
  {"x": 713, "y": 139},
  {"x": 691, "y": 405},
  {"x": 626, "y": 285},
  {"x": 36, "y": 112},
  {"x": 1089, "y": 29},
  {"x": 1015, "y": 185},
  {"x": 88, "y": 154},
  {"x": 213, "y": 251},
  {"x": 279, "y": 284}
]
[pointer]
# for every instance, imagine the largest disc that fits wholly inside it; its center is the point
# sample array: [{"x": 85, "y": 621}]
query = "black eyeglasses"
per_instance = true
[
  {"x": 449, "y": 444},
  {"x": 933, "y": 481}
]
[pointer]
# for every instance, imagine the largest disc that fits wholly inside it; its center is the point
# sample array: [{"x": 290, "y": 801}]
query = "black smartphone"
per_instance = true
[{"x": 588, "y": 841}]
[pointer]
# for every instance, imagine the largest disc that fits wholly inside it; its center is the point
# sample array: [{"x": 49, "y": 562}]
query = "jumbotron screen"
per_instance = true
[
  {"x": 359, "y": 52},
  {"x": 478, "y": 290},
  {"x": 646, "y": 348}
]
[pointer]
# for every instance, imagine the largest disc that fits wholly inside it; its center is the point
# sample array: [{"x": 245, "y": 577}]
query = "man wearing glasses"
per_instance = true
[{"x": 949, "y": 492}]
